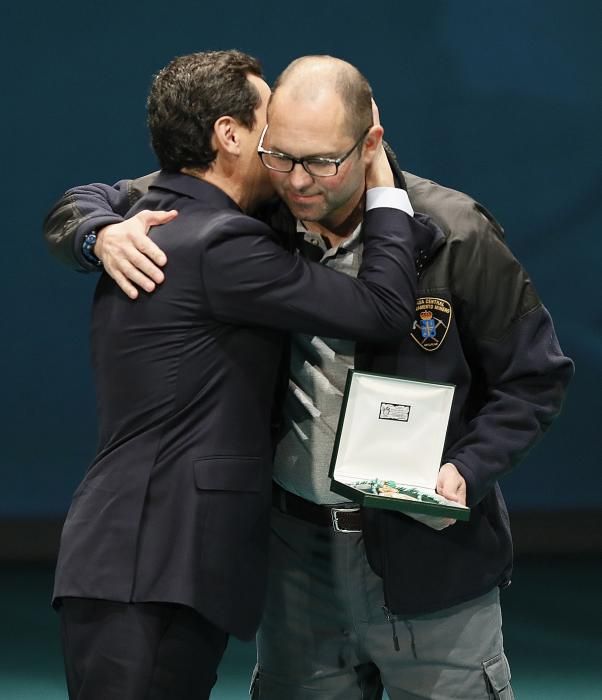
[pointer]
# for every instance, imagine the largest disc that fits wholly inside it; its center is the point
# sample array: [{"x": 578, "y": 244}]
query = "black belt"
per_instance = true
[{"x": 340, "y": 519}]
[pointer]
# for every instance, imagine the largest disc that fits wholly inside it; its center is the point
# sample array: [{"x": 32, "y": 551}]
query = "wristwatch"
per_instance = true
[{"x": 88, "y": 249}]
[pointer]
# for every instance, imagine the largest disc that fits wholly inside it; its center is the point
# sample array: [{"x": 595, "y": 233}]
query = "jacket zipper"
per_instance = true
[{"x": 389, "y": 617}]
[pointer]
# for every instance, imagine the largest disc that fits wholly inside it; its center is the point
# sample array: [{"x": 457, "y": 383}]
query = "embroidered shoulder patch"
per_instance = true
[{"x": 433, "y": 318}]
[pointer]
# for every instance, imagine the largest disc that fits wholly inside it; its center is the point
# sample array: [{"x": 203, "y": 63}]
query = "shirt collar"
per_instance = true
[{"x": 315, "y": 239}]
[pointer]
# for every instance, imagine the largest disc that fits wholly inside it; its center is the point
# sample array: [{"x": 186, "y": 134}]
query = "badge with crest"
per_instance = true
[{"x": 433, "y": 319}]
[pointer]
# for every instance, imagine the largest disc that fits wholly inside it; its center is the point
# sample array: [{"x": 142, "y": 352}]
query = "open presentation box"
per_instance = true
[{"x": 389, "y": 443}]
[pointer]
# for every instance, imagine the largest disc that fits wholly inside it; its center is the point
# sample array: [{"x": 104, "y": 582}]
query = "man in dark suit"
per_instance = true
[{"x": 164, "y": 549}]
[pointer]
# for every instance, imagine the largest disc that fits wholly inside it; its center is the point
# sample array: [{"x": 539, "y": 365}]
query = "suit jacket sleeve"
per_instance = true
[
  {"x": 87, "y": 208},
  {"x": 249, "y": 279}
]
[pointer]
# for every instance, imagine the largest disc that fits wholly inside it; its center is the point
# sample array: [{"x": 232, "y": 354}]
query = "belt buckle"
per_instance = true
[{"x": 334, "y": 512}]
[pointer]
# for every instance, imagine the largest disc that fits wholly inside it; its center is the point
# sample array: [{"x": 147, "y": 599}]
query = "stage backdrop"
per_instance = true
[{"x": 501, "y": 100}]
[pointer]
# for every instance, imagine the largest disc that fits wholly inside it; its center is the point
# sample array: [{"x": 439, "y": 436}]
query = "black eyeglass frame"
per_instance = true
[{"x": 337, "y": 162}]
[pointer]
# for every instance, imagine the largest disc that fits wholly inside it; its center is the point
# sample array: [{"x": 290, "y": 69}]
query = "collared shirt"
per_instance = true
[{"x": 318, "y": 373}]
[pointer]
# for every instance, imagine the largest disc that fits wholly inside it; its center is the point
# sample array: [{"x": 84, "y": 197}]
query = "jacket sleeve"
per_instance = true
[
  {"x": 87, "y": 208},
  {"x": 518, "y": 366},
  {"x": 250, "y": 279}
]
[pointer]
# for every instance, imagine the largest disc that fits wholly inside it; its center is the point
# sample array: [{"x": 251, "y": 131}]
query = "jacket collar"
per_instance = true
[
  {"x": 278, "y": 217},
  {"x": 194, "y": 188}
]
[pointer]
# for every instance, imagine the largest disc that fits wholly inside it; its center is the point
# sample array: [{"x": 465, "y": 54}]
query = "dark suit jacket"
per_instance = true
[{"x": 175, "y": 506}]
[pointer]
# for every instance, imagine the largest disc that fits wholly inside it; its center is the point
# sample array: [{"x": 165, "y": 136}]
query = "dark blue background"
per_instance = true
[{"x": 501, "y": 100}]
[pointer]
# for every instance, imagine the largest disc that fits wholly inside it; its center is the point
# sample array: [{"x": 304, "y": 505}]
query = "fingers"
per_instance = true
[
  {"x": 124, "y": 284},
  {"x": 451, "y": 484},
  {"x": 145, "y": 245},
  {"x": 136, "y": 269},
  {"x": 432, "y": 521},
  {"x": 129, "y": 256},
  {"x": 155, "y": 218},
  {"x": 128, "y": 263},
  {"x": 122, "y": 258},
  {"x": 378, "y": 173},
  {"x": 442, "y": 523},
  {"x": 147, "y": 256},
  {"x": 375, "y": 113}
]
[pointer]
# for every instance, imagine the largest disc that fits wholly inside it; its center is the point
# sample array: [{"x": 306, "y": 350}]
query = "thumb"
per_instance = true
[
  {"x": 166, "y": 216},
  {"x": 375, "y": 113},
  {"x": 156, "y": 218}
]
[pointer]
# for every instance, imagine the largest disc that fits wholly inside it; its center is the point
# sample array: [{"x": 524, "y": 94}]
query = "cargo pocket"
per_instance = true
[{"x": 497, "y": 673}]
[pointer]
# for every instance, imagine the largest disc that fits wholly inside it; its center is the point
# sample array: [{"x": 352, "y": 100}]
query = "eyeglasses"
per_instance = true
[{"x": 316, "y": 165}]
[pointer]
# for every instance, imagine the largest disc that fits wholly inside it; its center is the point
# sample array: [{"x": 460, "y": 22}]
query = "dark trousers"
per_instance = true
[{"x": 138, "y": 651}]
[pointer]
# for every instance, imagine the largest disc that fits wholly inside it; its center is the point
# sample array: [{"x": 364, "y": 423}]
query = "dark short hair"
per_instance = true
[{"x": 189, "y": 95}]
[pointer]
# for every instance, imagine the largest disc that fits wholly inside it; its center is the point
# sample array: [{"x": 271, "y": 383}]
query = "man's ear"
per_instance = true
[
  {"x": 372, "y": 142},
  {"x": 226, "y": 135}
]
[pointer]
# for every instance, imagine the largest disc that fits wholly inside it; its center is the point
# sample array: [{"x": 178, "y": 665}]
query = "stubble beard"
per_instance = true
[{"x": 307, "y": 212}]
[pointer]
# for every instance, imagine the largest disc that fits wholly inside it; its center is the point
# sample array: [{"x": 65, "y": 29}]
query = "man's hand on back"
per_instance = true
[{"x": 128, "y": 254}]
